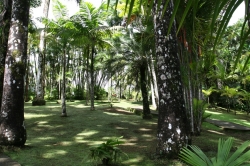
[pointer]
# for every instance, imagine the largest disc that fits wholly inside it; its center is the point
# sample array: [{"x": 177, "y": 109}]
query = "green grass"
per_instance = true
[
  {"x": 53, "y": 140},
  {"x": 240, "y": 117}
]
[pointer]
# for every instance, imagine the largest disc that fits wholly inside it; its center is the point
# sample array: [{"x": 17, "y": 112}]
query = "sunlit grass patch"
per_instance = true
[
  {"x": 239, "y": 118},
  {"x": 53, "y": 140}
]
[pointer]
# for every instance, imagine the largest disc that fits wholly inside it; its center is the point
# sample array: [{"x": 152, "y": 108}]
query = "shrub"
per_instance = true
[
  {"x": 100, "y": 93},
  {"x": 107, "y": 152}
]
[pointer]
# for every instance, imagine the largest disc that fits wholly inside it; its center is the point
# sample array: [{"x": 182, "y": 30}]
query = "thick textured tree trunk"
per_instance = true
[
  {"x": 39, "y": 97},
  {"x": 92, "y": 93},
  {"x": 172, "y": 132},
  {"x": 63, "y": 91},
  {"x": 5, "y": 23},
  {"x": 12, "y": 129},
  {"x": 144, "y": 91}
]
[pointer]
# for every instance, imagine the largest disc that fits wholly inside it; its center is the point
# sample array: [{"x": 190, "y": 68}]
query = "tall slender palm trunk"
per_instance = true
[
  {"x": 154, "y": 88},
  {"x": 63, "y": 88},
  {"x": 12, "y": 129},
  {"x": 39, "y": 97},
  {"x": 92, "y": 93},
  {"x": 172, "y": 132},
  {"x": 144, "y": 91},
  {"x": 87, "y": 77}
]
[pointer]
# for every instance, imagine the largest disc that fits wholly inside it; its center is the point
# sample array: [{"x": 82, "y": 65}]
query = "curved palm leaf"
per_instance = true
[{"x": 195, "y": 157}]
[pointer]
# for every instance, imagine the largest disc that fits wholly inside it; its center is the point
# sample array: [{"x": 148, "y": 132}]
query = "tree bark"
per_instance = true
[
  {"x": 63, "y": 91},
  {"x": 12, "y": 129},
  {"x": 92, "y": 93},
  {"x": 39, "y": 97},
  {"x": 26, "y": 91},
  {"x": 5, "y": 23},
  {"x": 172, "y": 132},
  {"x": 87, "y": 77},
  {"x": 144, "y": 91},
  {"x": 155, "y": 84}
]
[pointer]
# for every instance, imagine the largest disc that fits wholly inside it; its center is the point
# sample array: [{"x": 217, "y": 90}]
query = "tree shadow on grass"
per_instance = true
[{"x": 53, "y": 140}]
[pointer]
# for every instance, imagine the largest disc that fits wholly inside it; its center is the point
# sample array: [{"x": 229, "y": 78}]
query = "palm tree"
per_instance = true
[
  {"x": 173, "y": 130},
  {"x": 39, "y": 97},
  {"x": 90, "y": 22},
  {"x": 221, "y": 10},
  {"x": 62, "y": 29},
  {"x": 12, "y": 129}
]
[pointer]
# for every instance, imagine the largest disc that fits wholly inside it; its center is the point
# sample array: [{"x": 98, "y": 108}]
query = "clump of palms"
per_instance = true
[
  {"x": 199, "y": 116},
  {"x": 231, "y": 94},
  {"x": 208, "y": 92},
  {"x": 246, "y": 98},
  {"x": 194, "y": 156}
]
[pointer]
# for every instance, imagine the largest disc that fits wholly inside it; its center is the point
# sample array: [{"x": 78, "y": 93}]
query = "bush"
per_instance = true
[
  {"x": 78, "y": 94},
  {"x": 107, "y": 152},
  {"x": 38, "y": 102},
  {"x": 100, "y": 93}
]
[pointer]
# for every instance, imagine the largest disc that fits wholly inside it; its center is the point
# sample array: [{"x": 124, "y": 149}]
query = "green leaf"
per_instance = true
[
  {"x": 237, "y": 158},
  {"x": 187, "y": 9},
  {"x": 226, "y": 18},
  {"x": 172, "y": 19},
  {"x": 224, "y": 147},
  {"x": 194, "y": 156},
  {"x": 131, "y": 5}
]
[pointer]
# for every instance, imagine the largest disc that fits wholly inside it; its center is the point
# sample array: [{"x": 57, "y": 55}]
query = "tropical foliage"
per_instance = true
[
  {"x": 171, "y": 50},
  {"x": 194, "y": 156}
]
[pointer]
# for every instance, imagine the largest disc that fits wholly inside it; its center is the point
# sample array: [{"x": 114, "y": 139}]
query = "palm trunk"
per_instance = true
[
  {"x": 63, "y": 94},
  {"x": 152, "y": 95},
  {"x": 154, "y": 83},
  {"x": 92, "y": 94},
  {"x": 172, "y": 132},
  {"x": 12, "y": 129},
  {"x": 87, "y": 78},
  {"x": 144, "y": 91},
  {"x": 110, "y": 91},
  {"x": 39, "y": 97},
  {"x": 26, "y": 99}
]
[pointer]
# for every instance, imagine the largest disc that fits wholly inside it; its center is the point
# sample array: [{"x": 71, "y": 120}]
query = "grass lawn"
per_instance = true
[{"x": 65, "y": 141}]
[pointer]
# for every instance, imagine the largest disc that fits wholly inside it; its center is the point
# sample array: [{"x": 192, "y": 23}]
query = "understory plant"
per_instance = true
[
  {"x": 194, "y": 156},
  {"x": 107, "y": 152},
  {"x": 199, "y": 116}
]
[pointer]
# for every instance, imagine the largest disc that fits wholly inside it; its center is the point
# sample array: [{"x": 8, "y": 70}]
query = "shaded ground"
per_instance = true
[
  {"x": 228, "y": 125},
  {"x": 53, "y": 140},
  {"x": 6, "y": 161}
]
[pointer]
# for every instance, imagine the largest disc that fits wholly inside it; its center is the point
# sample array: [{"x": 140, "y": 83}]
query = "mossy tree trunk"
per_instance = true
[
  {"x": 172, "y": 132},
  {"x": 12, "y": 129},
  {"x": 5, "y": 24}
]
